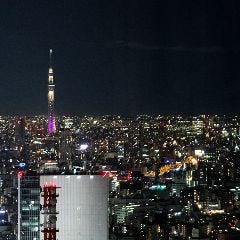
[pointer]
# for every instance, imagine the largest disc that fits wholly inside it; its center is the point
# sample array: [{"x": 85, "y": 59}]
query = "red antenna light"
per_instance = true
[{"x": 20, "y": 174}]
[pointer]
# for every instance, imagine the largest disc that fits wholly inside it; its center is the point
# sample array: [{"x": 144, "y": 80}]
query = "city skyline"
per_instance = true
[
  {"x": 110, "y": 177},
  {"x": 120, "y": 120}
]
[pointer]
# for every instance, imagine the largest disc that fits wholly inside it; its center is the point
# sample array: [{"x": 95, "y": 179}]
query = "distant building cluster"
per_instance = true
[{"x": 164, "y": 177}]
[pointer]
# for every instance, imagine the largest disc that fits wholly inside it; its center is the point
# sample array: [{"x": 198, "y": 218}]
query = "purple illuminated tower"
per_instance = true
[{"x": 51, "y": 86}]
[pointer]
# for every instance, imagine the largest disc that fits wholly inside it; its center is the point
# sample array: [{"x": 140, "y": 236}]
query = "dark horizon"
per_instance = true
[{"x": 125, "y": 58}]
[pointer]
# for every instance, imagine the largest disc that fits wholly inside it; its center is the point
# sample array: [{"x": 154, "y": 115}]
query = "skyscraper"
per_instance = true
[
  {"x": 20, "y": 132},
  {"x": 51, "y": 88},
  {"x": 80, "y": 207},
  {"x": 28, "y": 207},
  {"x": 72, "y": 207}
]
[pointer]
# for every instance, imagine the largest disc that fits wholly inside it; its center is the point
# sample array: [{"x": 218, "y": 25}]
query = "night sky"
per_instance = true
[{"x": 121, "y": 57}]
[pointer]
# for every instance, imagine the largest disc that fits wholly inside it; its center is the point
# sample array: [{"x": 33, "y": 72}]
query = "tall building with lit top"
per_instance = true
[{"x": 51, "y": 88}]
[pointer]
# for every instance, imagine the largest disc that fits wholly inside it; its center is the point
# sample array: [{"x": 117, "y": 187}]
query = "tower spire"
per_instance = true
[
  {"x": 51, "y": 88},
  {"x": 50, "y": 57}
]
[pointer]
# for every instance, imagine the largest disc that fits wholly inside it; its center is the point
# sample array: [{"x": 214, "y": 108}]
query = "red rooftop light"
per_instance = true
[{"x": 20, "y": 174}]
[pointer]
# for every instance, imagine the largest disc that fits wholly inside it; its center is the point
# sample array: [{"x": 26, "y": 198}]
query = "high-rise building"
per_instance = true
[
  {"x": 20, "y": 132},
  {"x": 65, "y": 146},
  {"x": 51, "y": 88},
  {"x": 81, "y": 206},
  {"x": 28, "y": 207},
  {"x": 72, "y": 207}
]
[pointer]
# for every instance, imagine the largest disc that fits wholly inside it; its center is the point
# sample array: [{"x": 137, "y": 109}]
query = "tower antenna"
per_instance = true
[{"x": 50, "y": 57}]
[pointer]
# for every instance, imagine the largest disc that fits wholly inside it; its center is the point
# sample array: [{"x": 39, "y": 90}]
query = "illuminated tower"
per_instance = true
[{"x": 51, "y": 87}]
